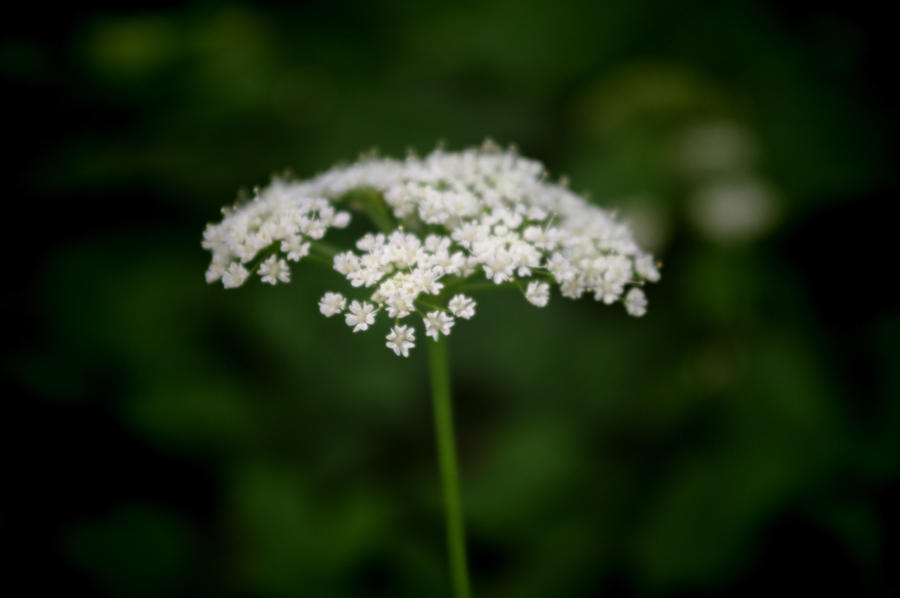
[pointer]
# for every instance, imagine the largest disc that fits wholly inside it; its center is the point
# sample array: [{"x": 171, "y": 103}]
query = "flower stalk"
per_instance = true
[
  {"x": 439, "y": 369},
  {"x": 449, "y": 222}
]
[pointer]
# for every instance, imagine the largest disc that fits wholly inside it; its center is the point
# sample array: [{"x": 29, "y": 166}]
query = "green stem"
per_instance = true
[
  {"x": 372, "y": 203},
  {"x": 438, "y": 363}
]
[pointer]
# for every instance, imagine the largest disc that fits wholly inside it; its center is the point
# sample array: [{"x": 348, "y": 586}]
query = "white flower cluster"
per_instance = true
[
  {"x": 480, "y": 212},
  {"x": 277, "y": 217}
]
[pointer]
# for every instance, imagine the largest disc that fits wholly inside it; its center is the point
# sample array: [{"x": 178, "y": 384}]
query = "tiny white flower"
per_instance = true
[
  {"x": 645, "y": 267},
  {"x": 273, "y": 269},
  {"x": 462, "y": 306},
  {"x": 636, "y": 302},
  {"x": 399, "y": 305},
  {"x": 608, "y": 288},
  {"x": 367, "y": 275},
  {"x": 437, "y": 322},
  {"x": 361, "y": 316},
  {"x": 499, "y": 266},
  {"x": 538, "y": 293},
  {"x": 346, "y": 263},
  {"x": 436, "y": 243},
  {"x": 450, "y": 263},
  {"x": 216, "y": 271},
  {"x": 341, "y": 220},
  {"x": 572, "y": 289},
  {"x": 427, "y": 280},
  {"x": 401, "y": 339},
  {"x": 469, "y": 234},
  {"x": 332, "y": 304},
  {"x": 561, "y": 269},
  {"x": 315, "y": 229},
  {"x": 369, "y": 242},
  {"x": 234, "y": 276},
  {"x": 295, "y": 248}
]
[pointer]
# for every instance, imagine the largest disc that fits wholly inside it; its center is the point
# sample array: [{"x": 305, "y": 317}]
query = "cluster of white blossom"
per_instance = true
[
  {"x": 278, "y": 216},
  {"x": 480, "y": 212}
]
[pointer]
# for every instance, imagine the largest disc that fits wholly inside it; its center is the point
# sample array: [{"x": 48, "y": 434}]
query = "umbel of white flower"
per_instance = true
[{"x": 447, "y": 219}]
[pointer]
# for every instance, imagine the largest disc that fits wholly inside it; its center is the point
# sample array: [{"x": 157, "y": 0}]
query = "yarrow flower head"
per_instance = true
[{"x": 445, "y": 220}]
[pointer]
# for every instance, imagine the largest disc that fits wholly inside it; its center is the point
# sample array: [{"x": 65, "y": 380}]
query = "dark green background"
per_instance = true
[{"x": 169, "y": 438}]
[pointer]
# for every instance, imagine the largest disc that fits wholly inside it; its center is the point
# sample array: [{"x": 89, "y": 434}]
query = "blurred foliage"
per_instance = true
[{"x": 177, "y": 439}]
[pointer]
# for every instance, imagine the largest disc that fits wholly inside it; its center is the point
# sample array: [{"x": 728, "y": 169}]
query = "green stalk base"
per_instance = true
[{"x": 439, "y": 367}]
